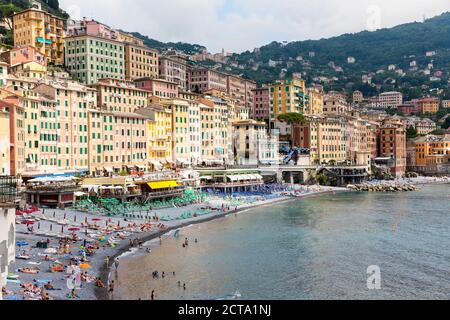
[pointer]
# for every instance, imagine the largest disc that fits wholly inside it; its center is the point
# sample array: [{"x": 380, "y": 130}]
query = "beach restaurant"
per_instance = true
[
  {"x": 126, "y": 188},
  {"x": 52, "y": 191},
  {"x": 230, "y": 180}
]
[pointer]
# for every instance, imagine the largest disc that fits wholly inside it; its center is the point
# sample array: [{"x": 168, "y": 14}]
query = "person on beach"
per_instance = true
[
  {"x": 153, "y": 295},
  {"x": 107, "y": 261},
  {"x": 111, "y": 287},
  {"x": 116, "y": 263},
  {"x": 184, "y": 286},
  {"x": 99, "y": 283}
]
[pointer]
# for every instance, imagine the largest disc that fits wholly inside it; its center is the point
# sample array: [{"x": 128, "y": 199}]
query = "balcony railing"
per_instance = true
[{"x": 9, "y": 190}]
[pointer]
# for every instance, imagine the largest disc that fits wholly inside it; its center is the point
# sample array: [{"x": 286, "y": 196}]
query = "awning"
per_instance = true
[
  {"x": 246, "y": 177},
  {"x": 108, "y": 169},
  {"x": 206, "y": 178},
  {"x": 182, "y": 160},
  {"x": 233, "y": 178},
  {"x": 258, "y": 176},
  {"x": 169, "y": 160},
  {"x": 238, "y": 178},
  {"x": 79, "y": 194},
  {"x": 155, "y": 163},
  {"x": 163, "y": 185}
]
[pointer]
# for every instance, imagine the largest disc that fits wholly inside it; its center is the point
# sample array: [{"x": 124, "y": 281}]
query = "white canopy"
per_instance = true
[
  {"x": 108, "y": 169},
  {"x": 79, "y": 194},
  {"x": 169, "y": 160},
  {"x": 155, "y": 163}
]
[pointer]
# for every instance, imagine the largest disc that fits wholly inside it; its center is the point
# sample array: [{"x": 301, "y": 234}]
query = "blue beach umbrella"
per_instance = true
[{"x": 21, "y": 243}]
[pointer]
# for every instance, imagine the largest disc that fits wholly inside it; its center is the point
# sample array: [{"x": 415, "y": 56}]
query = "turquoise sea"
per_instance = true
[{"x": 316, "y": 248}]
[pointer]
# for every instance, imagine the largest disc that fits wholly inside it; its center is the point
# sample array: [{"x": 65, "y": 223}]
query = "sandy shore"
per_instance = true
[{"x": 54, "y": 224}]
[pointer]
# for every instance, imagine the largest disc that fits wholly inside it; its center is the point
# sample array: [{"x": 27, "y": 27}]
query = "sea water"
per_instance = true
[{"x": 316, "y": 248}]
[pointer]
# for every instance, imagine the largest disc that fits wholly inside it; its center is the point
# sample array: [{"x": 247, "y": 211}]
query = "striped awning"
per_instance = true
[{"x": 163, "y": 185}]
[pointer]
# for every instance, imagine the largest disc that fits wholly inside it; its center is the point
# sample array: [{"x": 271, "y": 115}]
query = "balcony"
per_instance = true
[{"x": 9, "y": 191}]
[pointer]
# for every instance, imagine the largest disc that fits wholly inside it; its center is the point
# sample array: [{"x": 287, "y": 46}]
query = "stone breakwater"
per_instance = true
[{"x": 383, "y": 187}]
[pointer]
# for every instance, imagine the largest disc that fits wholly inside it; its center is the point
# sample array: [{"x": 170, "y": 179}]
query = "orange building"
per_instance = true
[
  {"x": 392, "y": 146},
  {"x": 428, "y": 105},
  {"x": 429, "y": 154}
]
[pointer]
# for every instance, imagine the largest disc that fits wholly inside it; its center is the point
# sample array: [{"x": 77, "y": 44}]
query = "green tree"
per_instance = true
[
  {"x": 446, "y": 123},
  {"x": 292, "y": 118},
  {"x": 6, "y": 10},
  {"x": 411, "y": 133}
]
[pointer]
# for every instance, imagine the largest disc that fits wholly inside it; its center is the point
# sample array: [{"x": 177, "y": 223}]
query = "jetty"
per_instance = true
[{"x": 384, "y": 187}]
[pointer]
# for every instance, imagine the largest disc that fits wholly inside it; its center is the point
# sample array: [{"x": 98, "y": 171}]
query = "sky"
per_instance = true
[{"x": 240, "y": 25}]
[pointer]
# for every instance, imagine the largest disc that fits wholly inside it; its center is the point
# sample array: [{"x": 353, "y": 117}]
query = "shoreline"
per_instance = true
[
  {"x": 98, "y": 267},
  {"x": 104, "y": 272}
]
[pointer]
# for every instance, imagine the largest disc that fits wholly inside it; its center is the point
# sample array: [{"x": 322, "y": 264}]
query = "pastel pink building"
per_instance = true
[
  {"x": 22, "y": 55},
  {"x": 91, "y": 27},
  {"x": 158, "y": 87},
  {"x": 261, "y": 104}
]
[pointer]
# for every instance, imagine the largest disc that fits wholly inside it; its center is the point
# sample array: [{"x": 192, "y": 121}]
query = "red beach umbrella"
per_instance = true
[
  {"x": 28, "y": 222},
  {"x": 74, "y": 229},
  {"x": 96, "y": 219},
  {"x": 19, "y": 213}
]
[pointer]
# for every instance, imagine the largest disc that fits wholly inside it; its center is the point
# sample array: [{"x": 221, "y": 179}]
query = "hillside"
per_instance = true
[
  {"x": 322, "y": 60},
  {"x": 161, "y": 46}
]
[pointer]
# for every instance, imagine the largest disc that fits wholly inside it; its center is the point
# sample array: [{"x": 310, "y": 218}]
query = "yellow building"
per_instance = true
[
  {"x": 4, "y": 142},
  {"x": 287, "y": 96},
  {"x": 159, "y": 135},
  {"x": 140, "y": 62},
  {"x": 180, "y": 130},
  {"x": 40, "y": 29},
  {"x": 314, "y": 101},
  {"x": 326, "y": 137}
]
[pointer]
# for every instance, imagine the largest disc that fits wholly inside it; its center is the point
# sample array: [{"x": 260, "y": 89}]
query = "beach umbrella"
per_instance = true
[
  {"x": 54, "y": 214},
  {"x": 62, "y": 229},
  {"x": 51, "y": 227},
  {"x": 75, "y": 219},
  {"x": 85, "y": 266},
  {"x": 74, "y": 229},
  {"x": 19, "y": 213},
  {"x": 21, "y": 243},
  {"x": 39, "y": 225},
  {"x": 28, "y": 222},
  {"x": 50, "y": 251},
  {"x": 96, "y": 219},
  {"x": 65, "y": 214}
]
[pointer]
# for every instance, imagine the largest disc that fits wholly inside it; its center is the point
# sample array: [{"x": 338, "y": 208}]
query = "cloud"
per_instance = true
[{"x": 245, "y": 24}]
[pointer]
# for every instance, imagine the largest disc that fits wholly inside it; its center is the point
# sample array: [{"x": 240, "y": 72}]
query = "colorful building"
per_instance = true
[
  {"x": 429, "y": 154},
  {"x": 287, "y": 96},
  {"x": 119, "y": 95},
  {"x": 159, "y": 135},
  {"x": 392, "y": 146},
  {"x": 174, "y": 69},
  {"x": 427, "y": 105},
  {"x": 90, "y": 58},
  {"x": 158, "y": 87},
  {"x": 202, "y": 79},
  {"x": 5, "y": 142},
  {"x": 314, "y": 101},
  {"x": 260, "y": 110},
  {"x": 40, "y": 29},
  {"x": 117, "y": 142},
  {"x": 140, "y": 62}
]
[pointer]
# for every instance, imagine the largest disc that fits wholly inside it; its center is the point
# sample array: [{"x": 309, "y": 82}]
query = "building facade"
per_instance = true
[
  {"x": 40, "y": 29},
  {"x": 90, "y": 58}
]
